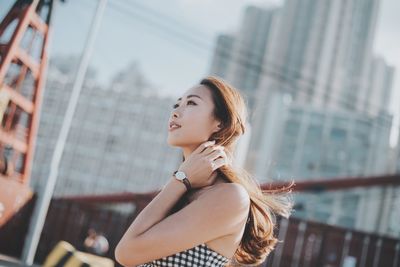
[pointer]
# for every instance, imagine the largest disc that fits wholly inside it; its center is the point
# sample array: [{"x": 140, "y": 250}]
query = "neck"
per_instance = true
[{"x": 187, "y": 151}]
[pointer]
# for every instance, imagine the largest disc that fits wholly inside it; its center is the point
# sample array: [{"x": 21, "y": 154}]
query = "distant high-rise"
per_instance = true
[
  {"x": 320, "y": 51},
  {"x": 238, "y": 59},
  {"x": 378, "y": 83},
  {"x": 304, "y": 143},
  {"x": 117, "y": 141},
  {"x": 222, "y": 55},
  {"x": 397, "y": 154},
  {"x": 249, "y": 50}
]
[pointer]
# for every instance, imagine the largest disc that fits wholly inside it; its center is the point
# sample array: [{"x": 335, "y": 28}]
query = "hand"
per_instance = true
[{"x": 201, "y": 165}]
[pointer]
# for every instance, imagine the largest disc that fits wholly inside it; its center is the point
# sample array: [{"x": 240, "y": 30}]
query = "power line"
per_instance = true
[
  {"x": 132, "y": 14},
  {"x": 298, "y": 75},
  {"x": 245, "y": 63},
  {"x": 262, "y": 70}
]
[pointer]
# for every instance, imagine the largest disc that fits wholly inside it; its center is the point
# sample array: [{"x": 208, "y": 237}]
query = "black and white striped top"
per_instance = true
[{"x": 201, "y": 255}]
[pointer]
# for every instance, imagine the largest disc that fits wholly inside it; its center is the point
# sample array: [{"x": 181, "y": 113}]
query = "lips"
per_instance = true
[{"x": 173, "y": 125}]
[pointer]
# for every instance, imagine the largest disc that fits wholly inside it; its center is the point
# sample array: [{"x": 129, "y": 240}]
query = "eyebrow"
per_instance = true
[{"x": 190, "y": 96}]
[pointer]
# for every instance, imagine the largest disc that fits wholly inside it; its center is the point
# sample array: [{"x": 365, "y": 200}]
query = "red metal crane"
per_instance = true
[{"x": 23, "y": 63}]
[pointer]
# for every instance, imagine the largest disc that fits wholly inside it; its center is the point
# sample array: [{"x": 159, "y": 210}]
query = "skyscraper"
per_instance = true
[
  {"x": 238, "y": 57},
  {"x": 248, "y": 54},
  {"x": 117, "y": 141},
  {"x": 379, "y": 83},
  {"x": 320, "y": 51},
  {"x": 222, "y": 55}
]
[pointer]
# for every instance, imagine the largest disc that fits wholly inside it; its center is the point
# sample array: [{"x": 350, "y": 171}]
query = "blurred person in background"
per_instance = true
[{"x": 96, "y": 243}]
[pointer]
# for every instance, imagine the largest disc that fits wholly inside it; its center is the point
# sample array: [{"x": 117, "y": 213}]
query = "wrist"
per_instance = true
[
  {"x": 173, "y": 182},
  {"x": 181, "y": 176}
]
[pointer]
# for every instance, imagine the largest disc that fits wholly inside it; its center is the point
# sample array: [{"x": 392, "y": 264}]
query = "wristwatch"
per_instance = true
[{"x": 181, "y": 176}]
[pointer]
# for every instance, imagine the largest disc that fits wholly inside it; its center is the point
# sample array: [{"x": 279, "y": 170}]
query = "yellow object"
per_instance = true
[
  {"x": 64, "y": 254},
  {"x": 59, "y": 251},
  {"x": 93, "y": 260}
]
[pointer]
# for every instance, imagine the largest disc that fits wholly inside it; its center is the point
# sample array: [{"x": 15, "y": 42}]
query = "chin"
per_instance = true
[{"x": 174, "y": 143}]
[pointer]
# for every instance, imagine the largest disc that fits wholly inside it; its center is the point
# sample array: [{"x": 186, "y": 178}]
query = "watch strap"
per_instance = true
[{"x": 186, "y": 182}]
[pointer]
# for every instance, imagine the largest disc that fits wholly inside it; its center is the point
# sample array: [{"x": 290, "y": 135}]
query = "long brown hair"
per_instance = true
[{"x": 258, "y": 238}]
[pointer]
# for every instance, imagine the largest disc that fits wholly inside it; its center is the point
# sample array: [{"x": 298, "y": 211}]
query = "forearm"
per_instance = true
[{"x": 157, "y": 209}]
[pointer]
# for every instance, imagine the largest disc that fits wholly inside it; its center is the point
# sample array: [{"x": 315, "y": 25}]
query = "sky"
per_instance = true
[{"x": 176, "y": 53}]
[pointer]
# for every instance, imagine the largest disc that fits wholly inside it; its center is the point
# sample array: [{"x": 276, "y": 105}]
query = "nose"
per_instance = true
[{"x": 175, "y": 113}]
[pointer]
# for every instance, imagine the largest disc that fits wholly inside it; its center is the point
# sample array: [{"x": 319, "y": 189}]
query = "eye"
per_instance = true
[{"x": 177, "y": 105}]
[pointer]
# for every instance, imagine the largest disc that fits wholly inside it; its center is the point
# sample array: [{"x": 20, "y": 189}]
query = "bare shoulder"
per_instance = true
[
  {"x": 234, "y": 190},
  {"x": 232, "y": 195}
]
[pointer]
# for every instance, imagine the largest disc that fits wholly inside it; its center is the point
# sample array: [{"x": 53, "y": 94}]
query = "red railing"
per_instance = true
[{"x": 305, "y": 242}]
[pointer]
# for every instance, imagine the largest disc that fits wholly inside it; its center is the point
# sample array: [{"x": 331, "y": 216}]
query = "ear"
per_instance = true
[{"x": 218, "y": 127}]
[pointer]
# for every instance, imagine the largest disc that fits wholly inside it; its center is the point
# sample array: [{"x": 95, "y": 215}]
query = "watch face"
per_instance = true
[{"x": 180, "y": 175}]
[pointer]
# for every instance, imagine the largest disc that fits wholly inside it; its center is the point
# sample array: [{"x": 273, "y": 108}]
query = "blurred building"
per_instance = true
[
  {"x": 373, "y": 210},
  {"x": 304, "y": 143},
  {"x": 248, "y": 50},
  {"x": 396, "y": 155},
  {"x": 222, "y": 55},
  {"x": 238, "y": 57},
  {"x": 379, "y": 84},
  {"x": 117, "y": 141},
  {"x": 319, "y": 51}
]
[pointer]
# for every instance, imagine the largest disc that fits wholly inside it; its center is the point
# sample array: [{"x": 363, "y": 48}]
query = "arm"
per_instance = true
[
  {"x": 157, "y": 209},
  {"x": 172, "y": 191},
  {"x": 215, "y": 214}
]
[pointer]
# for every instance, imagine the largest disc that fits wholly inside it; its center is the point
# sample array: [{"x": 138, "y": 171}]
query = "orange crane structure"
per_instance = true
[{"x": 24, "y": 39}]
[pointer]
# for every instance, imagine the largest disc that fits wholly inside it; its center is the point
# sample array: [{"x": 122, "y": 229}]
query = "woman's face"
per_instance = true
[{"x": 193, "y": 111}]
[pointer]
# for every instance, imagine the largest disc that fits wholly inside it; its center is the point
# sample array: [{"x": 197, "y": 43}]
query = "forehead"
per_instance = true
[{"x": 199, "y": 90}]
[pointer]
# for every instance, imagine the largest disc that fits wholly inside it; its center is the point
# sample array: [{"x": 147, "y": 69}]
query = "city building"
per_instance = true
[
  {"x": 117, "y": 141},
  {"x": 307, "y": 143}
]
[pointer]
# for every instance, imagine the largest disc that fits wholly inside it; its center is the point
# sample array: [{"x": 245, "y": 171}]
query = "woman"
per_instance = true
[{"x": 209, "y": 213}]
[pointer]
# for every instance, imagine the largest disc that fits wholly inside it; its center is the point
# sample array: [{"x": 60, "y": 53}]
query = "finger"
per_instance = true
[
  {"x": 218, "y": 163},
  {"x": 211, "y": 149},
  {"x": 216, "y": 154},
  {"x": 208, "y": 150},
  {"x": 203, "y": 146}
]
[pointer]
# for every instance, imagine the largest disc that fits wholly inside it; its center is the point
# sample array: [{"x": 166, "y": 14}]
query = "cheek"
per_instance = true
[
  {"x": 188, "y": 135},
  {"x": 196, "y": 129},
  {"x": 199, "y": 120}
]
